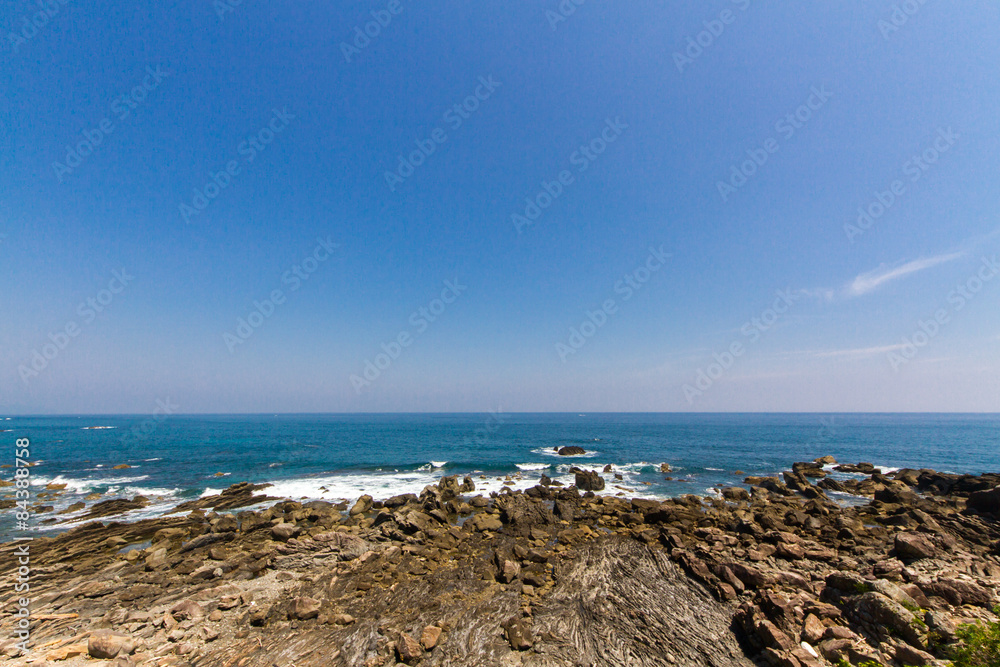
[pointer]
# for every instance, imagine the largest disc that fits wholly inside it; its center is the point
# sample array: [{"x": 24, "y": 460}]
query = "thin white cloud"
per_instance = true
[
  {"x": 860, "y": 351},
  {"x": 866, "y": 282}
]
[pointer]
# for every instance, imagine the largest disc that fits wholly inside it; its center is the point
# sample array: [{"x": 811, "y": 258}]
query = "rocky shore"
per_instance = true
[{"x": 772, "y": 573}]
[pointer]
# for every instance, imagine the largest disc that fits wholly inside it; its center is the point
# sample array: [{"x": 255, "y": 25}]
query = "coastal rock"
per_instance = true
[
  {"x": 518, "y": 632},
  {"x": 588, "y": 480},
  {"x": 987, "y": 502},
  {"x": 913, "y": 546},
  {"x": 104, "y": 645},
  {"x": 363, "y": 504},
  {"x": 304, "y": 608},
  {"x": 285, "y": 531},
  {"x": 571, "y": 450},
  {"x": 408, "y": 649},
  {"x": 430, "y": 636}
]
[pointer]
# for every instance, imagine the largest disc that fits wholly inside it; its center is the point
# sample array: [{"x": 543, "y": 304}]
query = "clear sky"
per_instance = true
[{"x": 621, "y": 206}]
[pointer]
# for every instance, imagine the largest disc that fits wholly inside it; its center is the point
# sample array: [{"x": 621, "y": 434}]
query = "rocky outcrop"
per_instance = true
[{"x": 553, "y": 576}]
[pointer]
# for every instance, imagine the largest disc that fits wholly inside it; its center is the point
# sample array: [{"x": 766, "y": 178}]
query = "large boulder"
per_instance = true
[
  {"x": 588, "y": 480},
  {"x": 572, "y": 450},
  {"x": 986, "y": 501},
  {"x": 914, "y": 546}
]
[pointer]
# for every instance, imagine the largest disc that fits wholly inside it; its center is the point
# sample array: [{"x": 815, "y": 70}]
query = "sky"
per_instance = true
[{"x": 527, "y": 206}]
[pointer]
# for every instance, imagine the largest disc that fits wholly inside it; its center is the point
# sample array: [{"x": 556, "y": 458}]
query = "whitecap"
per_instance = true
[
  {"x": 439, "y": 464},
  {"x": 534, "y": 466}
]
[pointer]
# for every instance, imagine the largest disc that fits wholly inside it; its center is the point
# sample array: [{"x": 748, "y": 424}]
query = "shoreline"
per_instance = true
[{"x": 775, "y": 570}]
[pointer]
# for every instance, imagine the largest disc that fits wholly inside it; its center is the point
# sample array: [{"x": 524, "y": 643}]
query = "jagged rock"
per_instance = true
[
  {"x": 430, "y": 636},
  {"x": 408, "y": 648},
  {"x": 304, "y": 608},
  {"x": 985, "y": 501},
  {"x": 877, "y": 613},
  {"x": 518, "y": 632},
  {"x": 363, "y": 504},
  {"x": 285, "y": 531},
  {"x": 913, "y": 546},
  {"x": 588, "y": 480}
]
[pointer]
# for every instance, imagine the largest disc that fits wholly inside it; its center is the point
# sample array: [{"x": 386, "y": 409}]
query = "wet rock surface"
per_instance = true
[{"x": 774, "y": 574}]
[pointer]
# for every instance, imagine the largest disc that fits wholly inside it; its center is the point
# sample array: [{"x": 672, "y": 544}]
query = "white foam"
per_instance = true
[
  {"x": 534, "y": 466},
  {"x": 157, "y": 459},
  {"x": 548, "y": 451},
  {"x": 716, "y": 469},
  {"x": 439, "y": 464},
  {"x": 84, "y": 486},
  {"x": 95, "y": 428}
]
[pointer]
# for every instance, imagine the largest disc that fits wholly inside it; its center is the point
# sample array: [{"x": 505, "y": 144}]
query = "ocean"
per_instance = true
[{"x": 340, "y": 456}]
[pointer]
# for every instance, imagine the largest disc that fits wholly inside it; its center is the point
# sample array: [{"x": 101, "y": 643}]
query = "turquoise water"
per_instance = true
[{"x": 343, "y": 456}]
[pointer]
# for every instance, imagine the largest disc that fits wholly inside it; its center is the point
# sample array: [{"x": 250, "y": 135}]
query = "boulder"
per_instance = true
[
  {"x": 571, "y": 450},
  {"x": 105, "y": 645},
  {"x": 913, "y": 546},
  {"x": 408, "y": 648},
  {"x": 588, "y": 480},
  {"x": 430, "y": 636},
  {"x": 285, "y": 531},
  {"x": 303, "y": 608},
  {"x": 518, "y": 632},
  {"x": 363, "y": 505},
  {"x": 985, "y": 501}
]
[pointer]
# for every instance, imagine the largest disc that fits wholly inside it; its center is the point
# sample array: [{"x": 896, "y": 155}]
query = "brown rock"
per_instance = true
[
  {"x": 588, "y": 480},
  {"x": 813, "y": 629},
  {"x": 914, "y": 546},
  {"x": 408, "y": 648},
  {"x": 187, "y": 610},
  {"x": 304, "y": 608},
  {"x": 518, "y": 631},
  {"x": 341, "y": 619},
  {"x": 105, "y": 645},
  {"x": 285, "y": 531},
  {"x": 430, "y": 636},
  {"x": 363, "y": 505}
]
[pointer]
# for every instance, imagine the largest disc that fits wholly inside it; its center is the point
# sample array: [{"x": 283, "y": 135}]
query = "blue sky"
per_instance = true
[{"x": 773, "y": 296}]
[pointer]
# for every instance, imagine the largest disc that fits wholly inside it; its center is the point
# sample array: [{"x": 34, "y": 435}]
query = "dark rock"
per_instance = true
[
  {"x": 589, "y": 480},
  {"x": 571, "y": 450},
  {"x": 913, "y": 546}
]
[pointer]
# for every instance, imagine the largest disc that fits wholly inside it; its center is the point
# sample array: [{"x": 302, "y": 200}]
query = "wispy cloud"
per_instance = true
[
  {"x": 859, "y": 351},
  {"x": 867, "y": 282}
]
